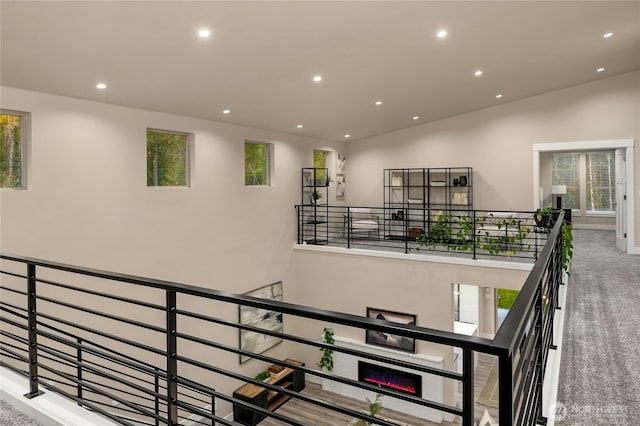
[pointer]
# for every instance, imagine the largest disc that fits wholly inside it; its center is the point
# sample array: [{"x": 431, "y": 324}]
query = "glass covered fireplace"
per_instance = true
[{"x": 386, "y": 377}]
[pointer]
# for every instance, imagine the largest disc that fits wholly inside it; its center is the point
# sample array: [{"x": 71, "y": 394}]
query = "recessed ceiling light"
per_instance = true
[
  {"x": 317, "y": 78},
  {"x": 299, "y": 126},
  {"x": 416, "y": 117},
  {"x": 478, "y": 73},
  {"x": 204, "y": 33},
  {"x": 600, "y": 69},
  {"x": 607, "y": 35},
  {"x": 442, "y": 34},
  {"x": 101, "y": 86},
  {"x": 226, "y": 111},
  {"x": 378, "y": 103},
  {"x": 347, "y": 135},
  {"x": 499, "y": 95}
]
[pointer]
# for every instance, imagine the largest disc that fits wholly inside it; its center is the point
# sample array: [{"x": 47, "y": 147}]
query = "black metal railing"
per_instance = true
[
  {"x": 476, "y": 234},
  {"x": 145, "y": 351}
]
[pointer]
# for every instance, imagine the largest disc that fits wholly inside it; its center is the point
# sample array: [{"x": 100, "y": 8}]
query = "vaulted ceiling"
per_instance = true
[{"x": 260, "y": 58}]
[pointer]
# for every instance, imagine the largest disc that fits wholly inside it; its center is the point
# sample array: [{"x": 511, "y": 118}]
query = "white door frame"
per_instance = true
[{"x": 592, "y": 146}]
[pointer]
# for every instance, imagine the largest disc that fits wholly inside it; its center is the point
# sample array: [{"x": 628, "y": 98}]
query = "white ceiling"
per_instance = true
[{"x": 261, "y": 57}]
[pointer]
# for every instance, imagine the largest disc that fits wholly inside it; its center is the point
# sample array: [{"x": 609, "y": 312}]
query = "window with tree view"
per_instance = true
[
  {"x": 590, "y": 180},
  {"x": 11, "y": 150},
  {"x": 566, "y": 171},
  {"x": 601, "y": 180},
  {"x": 256, "y": 164},
  {"x": 166, "y": 158}
]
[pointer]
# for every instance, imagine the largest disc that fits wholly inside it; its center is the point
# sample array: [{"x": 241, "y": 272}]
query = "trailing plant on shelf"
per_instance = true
[
  {"x": 438, "y": 233},
  {"x": 326, "y": 360},
  {"x": 567, "y": 246}
]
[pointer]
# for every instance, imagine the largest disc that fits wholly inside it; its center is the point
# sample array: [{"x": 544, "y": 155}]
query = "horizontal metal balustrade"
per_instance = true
[
  {"x": 64, "y": 328},
  {"x": 475, "y": 234}
]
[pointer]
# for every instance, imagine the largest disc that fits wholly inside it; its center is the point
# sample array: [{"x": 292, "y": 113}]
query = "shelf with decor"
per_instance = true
[
  {"x": 416, "y": 197},
  {"x": 314, "y": 208}
]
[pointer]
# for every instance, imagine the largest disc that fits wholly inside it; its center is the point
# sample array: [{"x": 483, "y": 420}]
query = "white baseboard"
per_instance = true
[
  {"x": 49, "y": 409},
  {"x": 594, "y": 227},
  {"x": 552, "y": 373}
]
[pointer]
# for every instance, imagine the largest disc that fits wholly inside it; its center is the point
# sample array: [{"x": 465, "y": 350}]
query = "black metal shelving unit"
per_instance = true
[
  {"x": 315, "y": 207},
  {"x": 416, "y": 197}
]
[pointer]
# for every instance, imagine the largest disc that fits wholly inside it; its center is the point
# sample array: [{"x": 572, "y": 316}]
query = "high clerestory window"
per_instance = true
[
  {"x": 590, "y": 181},
  {"x": 167, "y": 158},
  {"x": 257, "y": 164},
  {"x": 13, "y": 134}
]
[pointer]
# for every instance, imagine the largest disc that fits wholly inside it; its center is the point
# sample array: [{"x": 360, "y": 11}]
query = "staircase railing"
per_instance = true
[{"x": 146, "y": 351}]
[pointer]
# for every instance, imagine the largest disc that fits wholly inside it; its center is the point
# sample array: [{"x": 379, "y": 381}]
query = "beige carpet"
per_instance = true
[{"x": 489, "y": 393}]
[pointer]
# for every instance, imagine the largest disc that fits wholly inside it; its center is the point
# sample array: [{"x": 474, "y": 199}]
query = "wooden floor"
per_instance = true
[{"x": 310, "y": 414}]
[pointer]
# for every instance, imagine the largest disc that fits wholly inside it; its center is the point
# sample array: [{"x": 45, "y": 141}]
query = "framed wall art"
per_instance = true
[
  {"x": 254, "y": 341},
  {"x": 391, "y": 340}
]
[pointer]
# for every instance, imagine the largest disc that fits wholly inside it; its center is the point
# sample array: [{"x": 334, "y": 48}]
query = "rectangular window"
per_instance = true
[
  {"x": 12, "y": 148},
  {"x": 601, "y": 181},
  {"x": 320, "y": 162},
  {"x": 566, "y": 171},
  {"x": 167, "y": 158},
  {"x": 256, "y": 164}
]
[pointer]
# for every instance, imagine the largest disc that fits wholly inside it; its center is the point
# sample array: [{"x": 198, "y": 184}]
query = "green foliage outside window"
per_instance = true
[
  {"x": 256, "y": 164},
  {"x": 320, "y": 162},
  {"x": 10, "y": 151},
  {"x": 166, "y": 159},
  {"x": 506, "y": 297}
]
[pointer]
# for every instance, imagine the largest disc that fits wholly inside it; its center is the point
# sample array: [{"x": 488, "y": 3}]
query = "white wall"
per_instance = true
[
  {"x": 87, "y": 202},
  {"x": 497, "y": 142}
]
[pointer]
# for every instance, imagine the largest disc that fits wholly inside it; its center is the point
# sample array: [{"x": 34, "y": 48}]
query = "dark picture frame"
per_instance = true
[
  {"x": 254, "y": 341},
  {"x": 393, "y": 341}
]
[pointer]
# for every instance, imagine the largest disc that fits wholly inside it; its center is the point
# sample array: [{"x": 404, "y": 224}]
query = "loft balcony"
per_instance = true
[
  {"x": 141, "y": 351},
  {"x": 513, "y": 236}
]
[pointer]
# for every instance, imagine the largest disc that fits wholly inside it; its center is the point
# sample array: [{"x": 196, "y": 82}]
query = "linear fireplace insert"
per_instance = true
[{"x": 387, "y": 377}]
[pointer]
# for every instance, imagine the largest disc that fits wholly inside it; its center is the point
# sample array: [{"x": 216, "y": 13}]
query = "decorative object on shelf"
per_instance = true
[
  {"x": 253, "y": 341},
  {"x": 437, "y": 183},
  {"x": 315, "y": 196},
  {"x": 263, "y": 375},
  {"x": 326, "y": 361},
  {"x": 393, "y": 341},
  {"x": 456, "y": 182},
  {"x": 400, "y": 215},
  {"x": 396, "y": 180},
  {"x": 463, "y": 180}
]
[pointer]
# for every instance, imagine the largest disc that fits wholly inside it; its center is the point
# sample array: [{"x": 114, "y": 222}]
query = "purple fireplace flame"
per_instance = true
[{"x": 390, "y": 378}]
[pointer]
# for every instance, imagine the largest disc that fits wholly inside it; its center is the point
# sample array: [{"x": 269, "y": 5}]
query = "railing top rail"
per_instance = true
[
  {"x": 421, "y": 333},
  {"x": 504, "y": 339}
]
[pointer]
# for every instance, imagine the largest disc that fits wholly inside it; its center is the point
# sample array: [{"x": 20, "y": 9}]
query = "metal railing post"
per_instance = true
[
  {"x": 505, "y": 390},
  {"x": 348, "y": 224},
  {"x": 79, "y": 369},
  {"x": 33, "y": 332},
  {"x": 468, "y": 400},
  {"x": 172, "y": 362},
  {"x": 473, "y": 236},
  {"x": 156, "y": 388}
]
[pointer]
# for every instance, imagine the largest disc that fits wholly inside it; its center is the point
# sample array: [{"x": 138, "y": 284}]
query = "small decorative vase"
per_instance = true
[
  {"x": 463, "y": 181},
  {"x": 456, "y": 182}
]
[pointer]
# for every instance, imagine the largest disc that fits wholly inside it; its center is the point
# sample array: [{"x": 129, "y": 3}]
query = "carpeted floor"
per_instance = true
[
  {"x": 600, "y": 366},
  {"x": 13, "y": 417}
]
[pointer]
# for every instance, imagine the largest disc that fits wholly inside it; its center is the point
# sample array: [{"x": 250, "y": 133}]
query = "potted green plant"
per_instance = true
[
  {"x": 374, "y": 407},
  {"x": 315, "y": 196},
  {"x": 326, "y": 361},
  {"x": 263, "y": 375}
]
